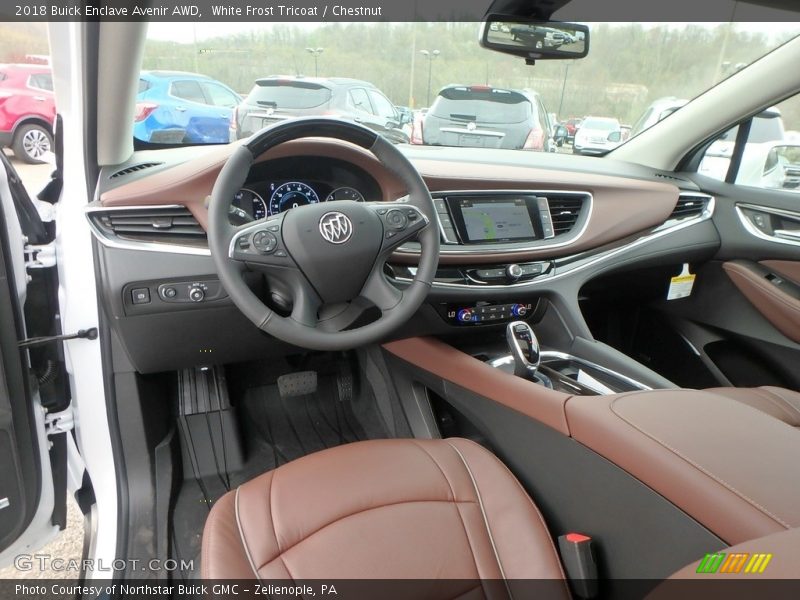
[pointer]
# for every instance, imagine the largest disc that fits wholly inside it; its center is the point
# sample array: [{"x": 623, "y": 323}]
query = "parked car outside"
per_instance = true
[
  {"x": 485, "y": 117},
  {"x": 766, "y": 127},
  {"x": 657, "y": 111},
  {"x": 597, "y": 135},
  {"x": 277, "y": 98},
  {"x": 572, "y": 126},
  {"x": 27, "y": 110},
  {"x": 173, "y": 107}
]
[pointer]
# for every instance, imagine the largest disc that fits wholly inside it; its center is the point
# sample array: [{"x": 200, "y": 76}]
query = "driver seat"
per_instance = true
[{"x": 382, "y": 509}]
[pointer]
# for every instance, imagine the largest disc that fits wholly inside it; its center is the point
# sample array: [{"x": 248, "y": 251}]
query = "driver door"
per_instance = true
[{"x": 33, "y": 438}]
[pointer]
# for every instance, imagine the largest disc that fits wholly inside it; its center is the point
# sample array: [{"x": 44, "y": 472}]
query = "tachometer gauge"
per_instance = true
[
  {"x": 345, "y": 193},
  {"x": 291, "y": 195},
  {"x": 247, "y": 206}
]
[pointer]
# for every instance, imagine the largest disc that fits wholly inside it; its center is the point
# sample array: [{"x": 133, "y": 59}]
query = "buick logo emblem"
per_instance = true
[
  {"x": 472, "y": 126},
  {"x": 335, "y": 227}
]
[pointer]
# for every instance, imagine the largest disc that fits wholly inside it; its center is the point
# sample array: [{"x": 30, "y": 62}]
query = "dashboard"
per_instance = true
[{"x": 283, "y": 184}]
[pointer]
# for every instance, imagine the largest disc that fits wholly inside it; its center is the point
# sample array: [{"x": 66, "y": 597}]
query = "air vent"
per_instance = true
[
  {"x": 565, "y": 211},
  {"x": 172, "y": 224},
  {"x": 689, "y": 207},
  {"x": 134, "y": 169}
]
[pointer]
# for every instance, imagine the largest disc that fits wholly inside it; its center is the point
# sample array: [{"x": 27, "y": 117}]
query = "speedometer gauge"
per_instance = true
[
  {"x": 345, "y": 193},
  {"x": 291, "y": 195}
]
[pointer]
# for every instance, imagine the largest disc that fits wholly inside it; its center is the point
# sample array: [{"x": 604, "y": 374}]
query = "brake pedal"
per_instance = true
[{"x": 297, "y": 384}]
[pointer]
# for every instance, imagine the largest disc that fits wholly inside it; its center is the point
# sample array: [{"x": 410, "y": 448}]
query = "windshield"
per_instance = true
[{"x": 432, "y": 84}]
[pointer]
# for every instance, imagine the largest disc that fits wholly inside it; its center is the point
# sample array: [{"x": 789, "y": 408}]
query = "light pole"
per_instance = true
[
  {"x": 563, "y": 88},
  {"x": 431, "y": 56},
  {"x": 315, "y": 52}
]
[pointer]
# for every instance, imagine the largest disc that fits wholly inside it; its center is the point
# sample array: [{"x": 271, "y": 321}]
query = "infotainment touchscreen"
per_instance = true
[{"x": 495, "y": 219}]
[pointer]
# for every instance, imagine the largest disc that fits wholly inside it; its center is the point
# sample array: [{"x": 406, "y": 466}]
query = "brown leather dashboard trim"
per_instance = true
[
  {"x": 779, "y": 308},
  {"x": 190, "y": 183},
  {"x": 694, "y": 448},
  {"x": 463, "y": 370},
  {"x": 621, "y": 206}
]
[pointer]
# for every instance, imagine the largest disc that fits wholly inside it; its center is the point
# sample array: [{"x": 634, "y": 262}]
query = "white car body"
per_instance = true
[{"x": 594, "y": 140}]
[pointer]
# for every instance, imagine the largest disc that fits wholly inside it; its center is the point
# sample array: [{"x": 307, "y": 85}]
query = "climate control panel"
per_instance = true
[{"x": 486, "y": 313}]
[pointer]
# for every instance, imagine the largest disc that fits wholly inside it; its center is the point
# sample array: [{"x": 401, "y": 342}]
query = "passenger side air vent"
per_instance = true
[
  {"x": 689, "y": 207},
  {"x": 565, "y": 211},
  {"x": 134, "y": 169},
  {"x": 168, "y": 224}
]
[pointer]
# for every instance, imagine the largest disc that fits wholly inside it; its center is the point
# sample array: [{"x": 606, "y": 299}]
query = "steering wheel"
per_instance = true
[{"x": 327, "y": 257}]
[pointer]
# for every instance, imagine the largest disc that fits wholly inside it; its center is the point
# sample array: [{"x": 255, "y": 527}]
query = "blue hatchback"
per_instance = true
[{"x": 173, "y": 107}]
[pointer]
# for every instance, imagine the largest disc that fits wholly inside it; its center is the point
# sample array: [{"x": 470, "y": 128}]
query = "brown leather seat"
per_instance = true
[
  {"x": 780, "y": 403},
  {"x": 384, "y": 509}
]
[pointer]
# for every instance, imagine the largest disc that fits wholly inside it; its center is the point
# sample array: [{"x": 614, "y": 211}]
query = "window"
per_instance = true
[
  {"x": 383, "y": 107},
  {"x": 188, "y": 90},
  {"x": 219, "y": 96},
  {"x": 360, "y": 101},
  {"x": 288, "y": 93},
  {"x": 41, "y": 81},
  {"x": 144, "y": 85},
  {"x": 771, "y": 155}
]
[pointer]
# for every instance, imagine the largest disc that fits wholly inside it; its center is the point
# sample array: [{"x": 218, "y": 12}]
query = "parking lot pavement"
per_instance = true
[{"x": 68, "y": 544}]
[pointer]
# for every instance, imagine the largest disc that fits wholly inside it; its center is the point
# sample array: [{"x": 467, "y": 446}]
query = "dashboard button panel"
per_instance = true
[{"x": 485, "y": 313}]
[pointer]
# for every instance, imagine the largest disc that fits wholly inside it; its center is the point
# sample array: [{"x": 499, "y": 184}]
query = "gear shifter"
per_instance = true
[{"x": 525, "y": 349}]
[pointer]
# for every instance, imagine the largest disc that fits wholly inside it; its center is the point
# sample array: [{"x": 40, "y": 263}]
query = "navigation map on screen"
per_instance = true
[{"x": 488, "y": 220}]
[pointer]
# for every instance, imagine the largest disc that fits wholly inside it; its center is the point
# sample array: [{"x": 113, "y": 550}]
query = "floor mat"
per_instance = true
[{"x": 275, "y": 430}]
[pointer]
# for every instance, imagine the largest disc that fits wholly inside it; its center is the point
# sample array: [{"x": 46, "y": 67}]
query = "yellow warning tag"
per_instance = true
[{"x": 681, "y": 286}]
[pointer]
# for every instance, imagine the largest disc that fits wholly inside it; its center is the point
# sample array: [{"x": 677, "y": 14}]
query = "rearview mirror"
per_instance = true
[{"x": 535, "y": 40}]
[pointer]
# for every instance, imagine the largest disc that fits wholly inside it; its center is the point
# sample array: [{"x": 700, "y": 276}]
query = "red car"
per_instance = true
[{"x": 27, "y": 110}]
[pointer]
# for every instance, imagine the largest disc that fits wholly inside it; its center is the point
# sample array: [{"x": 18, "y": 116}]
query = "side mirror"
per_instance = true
[
  {"x": 535, "y": 40},
  {"x": 615, "y": 136},
  {"x": 405, "y": 117}
]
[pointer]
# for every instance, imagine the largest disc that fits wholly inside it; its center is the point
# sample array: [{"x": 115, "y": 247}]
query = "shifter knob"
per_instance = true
[{"x": 524, "y": 348}]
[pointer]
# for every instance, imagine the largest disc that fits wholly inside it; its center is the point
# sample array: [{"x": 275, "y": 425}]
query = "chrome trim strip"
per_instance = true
[
  {"x": 656, "y": 234},
  {"x": 571, "y": 238},
  {"x": 120, "y": 244},
  {"x": 483, "y": 132},
  {"x": 555, "y": 355},
  {"x": 755, "y": 231}
]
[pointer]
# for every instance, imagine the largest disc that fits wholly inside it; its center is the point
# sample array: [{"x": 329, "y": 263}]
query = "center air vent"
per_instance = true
[
  {"x": 169, "y": 224},
  {"x": 689, "y": 207},
  {"x": 134, "y": 169},
  {"x": 565, "y": 211}
]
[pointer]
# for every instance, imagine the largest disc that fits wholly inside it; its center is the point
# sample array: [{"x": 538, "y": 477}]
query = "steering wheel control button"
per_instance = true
[
  {"x": 243, "y": 243},
  {"x": 396, "y": 219},
  {"x": 281, "y": 253},
  {"x": 140, "y": 296},
  {"x": 264, "y": 242}
]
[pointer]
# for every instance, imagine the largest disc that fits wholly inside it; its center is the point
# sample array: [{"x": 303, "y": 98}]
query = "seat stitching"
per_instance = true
[
  {"x": 455, "y": 502},
  {"x": 485, "y": 519},
  {"x": 535, "y": 510},
  {"x": 699, "y": 467},
  {"x": 242, "y": 538},
  {"x": 358, "y": 512}
]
